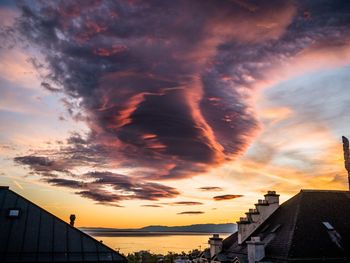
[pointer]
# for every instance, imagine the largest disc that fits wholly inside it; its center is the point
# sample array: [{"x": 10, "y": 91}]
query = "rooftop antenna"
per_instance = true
[{"x": 346, "y": 156}]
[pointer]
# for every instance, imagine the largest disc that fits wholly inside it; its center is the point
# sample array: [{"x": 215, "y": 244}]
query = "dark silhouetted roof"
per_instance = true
[
  {"x": 312, "y": 226},
  {"x": 36, "y": 235}
]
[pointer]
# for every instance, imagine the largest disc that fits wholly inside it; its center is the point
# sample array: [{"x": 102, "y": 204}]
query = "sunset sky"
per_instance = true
[{"x": 132, "y": 113}]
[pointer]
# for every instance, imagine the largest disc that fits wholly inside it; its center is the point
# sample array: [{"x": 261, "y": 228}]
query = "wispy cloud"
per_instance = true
[
  {"x": 191, "y": 213},
  {"x": 102, "y": 187},
  {"x": 210, "y": 188},
  {"x": 226, "y": 197},
  {"x": 184, "y": 203},
  {"x": 151, "y": 206}
]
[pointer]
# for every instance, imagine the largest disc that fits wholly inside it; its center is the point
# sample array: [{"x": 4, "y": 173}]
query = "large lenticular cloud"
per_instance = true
[
  {"x": 143, "y": 72},
  {"x": 165, "y": 86}
]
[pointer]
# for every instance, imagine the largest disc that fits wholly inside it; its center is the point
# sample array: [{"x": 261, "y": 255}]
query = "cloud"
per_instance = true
[
  {"x": 103, "y": 187},
  {"x": 210, "y": 188},
  {"x": 226, "y": 197},
  {"x": 49, "y": 87},
  {"x": 123, "y": 188},
  {"x": 65, "y": 182},
  {"x": 184, "y": 203},
  {"x": 191, "y": 213},
  {"x": 168, "y": 89},
  {"x": 151, "y": 206},
  {"x": 39, "y": 163},
  {"x": 35, "y": 161},
  {"x": 134, "y": 77}
]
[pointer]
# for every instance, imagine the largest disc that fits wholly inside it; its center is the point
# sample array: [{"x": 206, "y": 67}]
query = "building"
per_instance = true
[
  {"x": 28, "y": 233},
  {"x": 312, "y": 226}
]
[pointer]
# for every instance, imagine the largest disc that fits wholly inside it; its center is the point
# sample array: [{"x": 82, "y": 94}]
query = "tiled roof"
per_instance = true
[
  {"x": 37, "y": 235},
  {"x": 296, "y": 232}
]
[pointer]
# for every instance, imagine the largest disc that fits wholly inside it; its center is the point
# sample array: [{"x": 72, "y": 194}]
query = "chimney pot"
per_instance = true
[
  {"x": 256, "y": 239},
  {"x": 215, "y": 245},
  {"x": 256, "y": 250},
  {"x": 72, "y": 219}
]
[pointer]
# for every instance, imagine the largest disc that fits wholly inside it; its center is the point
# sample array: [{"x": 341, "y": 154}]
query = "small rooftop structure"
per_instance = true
[
  {"x": 28, "y": 233},
  {"x": 312, "y": 226}
]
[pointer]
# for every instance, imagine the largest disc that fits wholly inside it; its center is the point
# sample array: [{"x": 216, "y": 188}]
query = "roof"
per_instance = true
[
  {"x": 37, "y": 235},
  {"x": 312, "y": 225},
  {"x": 205, "y": 254}
]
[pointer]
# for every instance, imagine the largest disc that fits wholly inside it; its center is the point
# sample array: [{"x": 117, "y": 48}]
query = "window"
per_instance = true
[
  {"x": 328, "y": 225},
  {"x": 13, "y": 213}
]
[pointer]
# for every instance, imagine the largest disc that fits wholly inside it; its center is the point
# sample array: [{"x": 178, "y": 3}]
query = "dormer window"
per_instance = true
[{"x": 13, "y": 213}]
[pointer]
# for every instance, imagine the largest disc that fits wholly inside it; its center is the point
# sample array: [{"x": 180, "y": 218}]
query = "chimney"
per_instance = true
[
  {"x": 215, "y": 245},
  {"x": 255, "y": 217},
  {"x": 72, "y": 220},
  {"x": 346, "y": 156},
  {"x": 256, "y": 250},
  {"x": 272, "y": 198}
]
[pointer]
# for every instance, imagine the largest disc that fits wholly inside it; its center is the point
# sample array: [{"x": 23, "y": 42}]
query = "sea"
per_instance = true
[{"x": 156, "y": 242}]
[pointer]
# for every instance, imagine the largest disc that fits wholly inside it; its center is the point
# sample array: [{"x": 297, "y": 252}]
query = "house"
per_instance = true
[
  {"x": 312, "y": 226},
  {"x": 28, "y": 233}
]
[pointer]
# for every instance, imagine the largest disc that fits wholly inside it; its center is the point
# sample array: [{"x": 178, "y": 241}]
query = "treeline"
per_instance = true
[{"x": 170, "y": 257}]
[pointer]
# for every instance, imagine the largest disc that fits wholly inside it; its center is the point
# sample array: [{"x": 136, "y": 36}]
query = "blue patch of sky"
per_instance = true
[{"x": 322, "y": 97}]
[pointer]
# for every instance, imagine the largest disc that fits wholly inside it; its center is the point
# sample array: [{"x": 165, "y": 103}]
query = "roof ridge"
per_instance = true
[
  {"x": 323, "y": 191},
  {"x": 295, "y": 220}
]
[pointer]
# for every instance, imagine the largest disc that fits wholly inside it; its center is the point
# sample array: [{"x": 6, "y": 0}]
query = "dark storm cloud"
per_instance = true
[
  {"x": 166, "y": 87},
  {"x": 191, "y": 213},
  {"x": 210, "y": 188},
  {"x": 226, "y": 197}
]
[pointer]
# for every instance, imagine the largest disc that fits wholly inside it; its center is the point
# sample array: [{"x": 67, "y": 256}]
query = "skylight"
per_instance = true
[
  {"x": 13, "y": 213},
  {"x": 328, "y": 225}
]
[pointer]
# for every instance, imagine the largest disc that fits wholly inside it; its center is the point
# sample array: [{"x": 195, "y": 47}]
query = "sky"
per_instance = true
[{"x": 134, "y": 113}]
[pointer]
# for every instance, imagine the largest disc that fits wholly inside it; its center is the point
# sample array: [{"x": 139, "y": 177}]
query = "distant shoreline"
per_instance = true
[
  {"x": 198, "y": 229},
  {"x": 148, "y": 233}
]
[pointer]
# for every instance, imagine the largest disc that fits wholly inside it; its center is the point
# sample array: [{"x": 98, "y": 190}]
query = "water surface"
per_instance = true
[{"x": 160, "y": 243}]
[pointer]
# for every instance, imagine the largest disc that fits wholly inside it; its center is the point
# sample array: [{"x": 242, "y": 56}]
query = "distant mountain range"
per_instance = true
[{"x": 161, "y": 230}]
